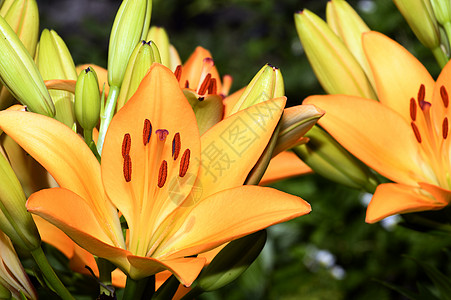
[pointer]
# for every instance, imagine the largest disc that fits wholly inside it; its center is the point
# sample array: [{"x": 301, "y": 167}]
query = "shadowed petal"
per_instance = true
[{"x": 393, "y": 198}]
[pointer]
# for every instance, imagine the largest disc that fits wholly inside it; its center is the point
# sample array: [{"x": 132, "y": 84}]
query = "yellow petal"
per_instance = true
[
  {"x": 397, "y": 73},
  {"x": 376, "y": 135},
  {"x": 231, "y": 148},
  {"x": 286, "y": 164},
  {"x": 392, "y": 198},
  {"x": 229, "y": 215}
]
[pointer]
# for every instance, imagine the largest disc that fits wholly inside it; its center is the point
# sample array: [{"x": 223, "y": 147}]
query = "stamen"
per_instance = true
[
  {"x": 445, "y": 128},
  {"x": 178, "y": 72},
  {"x": 127, "y": 168},
  {"x": 162, "y": 174},
  {"x": 424, "y": 105},
  {"x": 162, "y": 134},
  {"x": 205, "y": 84},
  {"x": 147, "y": 131},
  {"x": 184, "y": 163},
  {"x": 444, "y": 95},
  {"x": 126, "y": 143},
  {"x": 176, "y": 145},
  {"x": 212, "y": 89},
  {"x": 226, "y": 84},
  {"x": 416, "y": 132},
  {"x": 413, "y": 109},
  {"x": 421, "y": 93}
]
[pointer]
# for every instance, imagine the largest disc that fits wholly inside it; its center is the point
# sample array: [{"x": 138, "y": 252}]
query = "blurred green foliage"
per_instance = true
[{"x": 331, "y": 253}]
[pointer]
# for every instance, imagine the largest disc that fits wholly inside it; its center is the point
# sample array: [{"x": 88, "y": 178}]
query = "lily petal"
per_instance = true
[
  {"x": 284, "y": 165},
  {"x": 440, "y": 98},
  {"x": 229, "y": 215},
  {"x": 397, "y": 73},
  {"x": 393, "y": 198},
  {"x": 375, "y": 134}
]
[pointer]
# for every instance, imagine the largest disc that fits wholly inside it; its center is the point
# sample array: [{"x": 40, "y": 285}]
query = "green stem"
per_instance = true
[
  {"x": 440, "y": 56},
  {"x": 105, "y": 269},
  {"x": 134, "y": 289},
  {"x": 87, "y": 134},
  {"x": 107, "y": 115},
  {"x": 49, "y": 274}
]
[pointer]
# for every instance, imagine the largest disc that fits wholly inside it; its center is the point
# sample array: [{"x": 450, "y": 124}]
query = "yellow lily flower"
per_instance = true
[
  {"x": 150, "y": 164},
  {"x": 404, "y": 137}
]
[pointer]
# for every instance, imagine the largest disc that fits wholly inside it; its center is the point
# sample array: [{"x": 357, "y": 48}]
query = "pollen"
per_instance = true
[
  {"x": 176, "y": 145},
  {"x": 184, "y": 163},
  {"x": 162, "y": 174},
  {"x": 444, "y": 95},
  {"x": 126, "y": 144},
  {"x": 127, "y": 168},
  {"x": 178, "y": 72},
  {"x": 421, "y": 93},
  {"x": 416, "y": 131},
  {"x": 445, "y": 128},
  {"x": 147, "y": 131},
  {"x": 205, "y": 84},
  {"x": 413, "y": 109},
  {"x": 162, "y": 134}
]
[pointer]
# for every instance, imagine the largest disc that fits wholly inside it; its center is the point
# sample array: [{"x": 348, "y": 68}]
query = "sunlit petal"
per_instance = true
[{"x": 286, "y": 164}]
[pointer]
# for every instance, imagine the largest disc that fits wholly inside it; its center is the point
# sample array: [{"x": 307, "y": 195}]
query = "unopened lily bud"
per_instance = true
[
  {"x": 159, "y": 36},
  {"x": 87, "y": 99},
  {"x": 329, "y": 159},
  {"x": 54, "y": 61},
  {"x": 130, "y": 26},
  {"x": 336, "y": 68},
  {"x": 20, "y": 75},
  {"x": 15, "y": 220},
  {"x": 348, "y": 26},
  {"x": 144, "y": 55},
  {"x": 266, "y": 84},
  {"x": 231, "y": 261},
  {"x": 442, "y": 11}
]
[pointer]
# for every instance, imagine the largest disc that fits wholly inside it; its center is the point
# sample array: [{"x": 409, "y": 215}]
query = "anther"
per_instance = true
[
  {"x": 176, "y": 144},
  {"x": 413, "y": 109},
  {"x": 421, "y": 93},
  {"x": 212, "y": 88},
  {"x": 126, "y": 143},
  {"x": 444, "y": 95},
  {"x": 178, "y": 72},
  {"x": 162, "y": 134},
  {"x": 184, "y": 163},
  {"x": 445, "y": 128},
  {"x": 205, "y": 84},
  {"x": 127, "y": 168},
  {"x": 162, "y": 174},
  {"x": 416, "y": 132},
  {"x": 147, "y": 131}
]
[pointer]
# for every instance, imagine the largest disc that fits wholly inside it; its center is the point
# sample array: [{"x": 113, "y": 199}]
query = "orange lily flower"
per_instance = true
[
  {"x": 404, "y": 137},
  {"x": 150, "y": 164}
]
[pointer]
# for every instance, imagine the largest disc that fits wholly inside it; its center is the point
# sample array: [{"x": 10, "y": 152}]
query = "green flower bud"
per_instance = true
[
  {"x": 15, "y": 220},
  {"x": 54, "y": 61},
  {"x": 20, "y": 75},
  {"x": 144, "y": 55},
  {"x": 266, "y": 84},
  {"x": 442, "y": 11},
  {"x": 87, "y": 99},
  {"x": 130, "y": 26},
  {"x": 335, "y": 67},
  {"x": 159, "y": 36},
  {"x": 329, "y": 159},
  {"x": 348, "y": 26},
  {"x": 231, "y": 261}
]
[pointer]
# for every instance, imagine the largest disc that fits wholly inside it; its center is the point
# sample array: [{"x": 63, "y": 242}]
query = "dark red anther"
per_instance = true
[
  {"x": 444, "y": 95},
  {"x": 127, "y": 168},
  {"x": 162, "y": 134},
  {"x": 445, "y": 128},
  {"x": 184, "y": 163},
  {"x": 162, "y": 174},
  {"x": 416, "y": 131},
  {"x": 212, "y": 88},
  {"x": 413, "y": 109},
  {"x": 205, "y": 84},
  {"x": 187, "y": 84},
  {"x": 178, "y": 72},
  {"x": 147, "y": 131},
  {"x": 126, "y": 144},
  {"x": 421, "y": 93},
  {"x": 176, "y": 145}
]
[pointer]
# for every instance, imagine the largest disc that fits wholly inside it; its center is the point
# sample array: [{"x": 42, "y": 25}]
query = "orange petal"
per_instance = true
[
  {"x": 229, "y": 215},
  {"x": 185, "y": 269},
  {"x": 231, "y": 148},
  {"x": 230, "y": 101},
  {"x": 67, "y": 158},
  {"x": 161, "y": 277},
  {"x": 393, "y": 198},
  {"x": 73, "y": 216},
  {"x": 397, "y": 73},
  {"x": 61, "y": 84},
  {"x": 438, "y": 108},
  {"x": 148, "y": 198},
  {"x": 54, "y": 236},
  {"x": 284, "y": 165},
  {"x": 375, "y": 134}
]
